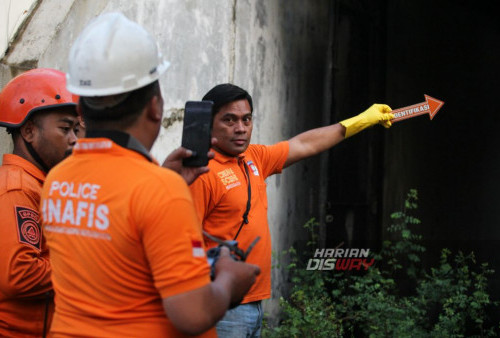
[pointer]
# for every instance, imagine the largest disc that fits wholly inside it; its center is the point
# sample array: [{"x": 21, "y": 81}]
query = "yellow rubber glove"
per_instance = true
[{"x": 376, "y": 114}]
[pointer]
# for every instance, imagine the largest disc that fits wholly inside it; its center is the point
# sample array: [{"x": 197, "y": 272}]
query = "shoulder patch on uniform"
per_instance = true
[{"x": 28, "y": 227}]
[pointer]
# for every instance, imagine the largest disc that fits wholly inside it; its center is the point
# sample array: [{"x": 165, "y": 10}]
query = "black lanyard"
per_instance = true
[{"x": 245, "y": 214}]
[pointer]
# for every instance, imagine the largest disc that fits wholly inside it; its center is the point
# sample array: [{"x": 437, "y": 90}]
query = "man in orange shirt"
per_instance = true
[
  {"x": 231, "y": 199},
  {"x": 40, "y": 114},
  {"x": 125, "y": 243}
]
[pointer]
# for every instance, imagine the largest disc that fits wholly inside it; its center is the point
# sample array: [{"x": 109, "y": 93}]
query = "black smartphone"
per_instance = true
[{"x": 196, "y": 132}]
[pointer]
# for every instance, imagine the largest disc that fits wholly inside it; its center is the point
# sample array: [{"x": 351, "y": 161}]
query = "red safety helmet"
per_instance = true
[{"x": 34, "y": 90}]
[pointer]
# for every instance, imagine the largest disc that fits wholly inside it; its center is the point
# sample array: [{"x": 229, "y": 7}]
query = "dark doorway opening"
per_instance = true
[{"x": 395, "y": 52}]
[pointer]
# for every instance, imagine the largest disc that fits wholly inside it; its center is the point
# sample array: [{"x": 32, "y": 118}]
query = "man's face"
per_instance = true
[
  {"x": 55, "y": 134},
  {"x": 232, "y": 126}
]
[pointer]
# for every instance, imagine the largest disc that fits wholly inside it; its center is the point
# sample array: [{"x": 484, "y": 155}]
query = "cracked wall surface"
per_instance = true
[{"x": 13, "y": 14}]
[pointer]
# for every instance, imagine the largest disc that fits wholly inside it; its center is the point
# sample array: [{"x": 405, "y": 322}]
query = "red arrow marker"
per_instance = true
[{"x": 430, "y": 106}]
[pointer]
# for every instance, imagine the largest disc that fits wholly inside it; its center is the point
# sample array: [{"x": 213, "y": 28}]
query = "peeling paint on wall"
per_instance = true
[{"x": 173, "y": 115}]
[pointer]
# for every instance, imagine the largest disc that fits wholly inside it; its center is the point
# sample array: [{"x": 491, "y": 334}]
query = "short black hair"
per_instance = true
[
  {"x": 225, "y": 93},
  {"x": 121, "y": 115}
]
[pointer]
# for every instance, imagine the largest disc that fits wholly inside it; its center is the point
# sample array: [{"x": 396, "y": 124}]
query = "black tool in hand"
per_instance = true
[{"x": 236, "y": 253}]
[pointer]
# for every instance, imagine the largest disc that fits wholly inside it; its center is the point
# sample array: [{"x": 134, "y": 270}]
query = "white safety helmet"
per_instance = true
[{"x": 113, "y": 55}]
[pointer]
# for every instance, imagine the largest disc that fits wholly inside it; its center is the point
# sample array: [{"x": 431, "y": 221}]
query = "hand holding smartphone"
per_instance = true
[{"x": 196, "y": 132}]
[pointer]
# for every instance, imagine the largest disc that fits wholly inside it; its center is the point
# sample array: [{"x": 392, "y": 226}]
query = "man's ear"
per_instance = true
[
  {"x": 28, "y": 131},
  {"x": 79, "y": 111},
  {"x": 155, "y": 108}
]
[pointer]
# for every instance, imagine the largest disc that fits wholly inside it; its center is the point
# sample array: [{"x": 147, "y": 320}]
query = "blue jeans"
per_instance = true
[{"x": 243, "y": 321}]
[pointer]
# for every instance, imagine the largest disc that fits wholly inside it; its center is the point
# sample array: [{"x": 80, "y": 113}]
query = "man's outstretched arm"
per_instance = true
[{"x": 314, "y": 141}]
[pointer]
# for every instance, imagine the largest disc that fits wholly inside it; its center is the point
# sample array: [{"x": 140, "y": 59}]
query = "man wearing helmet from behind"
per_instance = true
[
  {"x": 125, "y": 243},
  {"x": 40, "y": 114}
]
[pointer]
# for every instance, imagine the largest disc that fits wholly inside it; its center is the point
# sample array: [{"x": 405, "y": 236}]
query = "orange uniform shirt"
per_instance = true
[
  {"x": 122, "y": 234},
  {"x": 221, "y": 196},
  {"x": 25, "y": 287}
]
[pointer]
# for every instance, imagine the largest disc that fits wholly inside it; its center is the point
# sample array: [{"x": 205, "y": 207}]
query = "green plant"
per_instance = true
[
  {"x": 310, "y": 310},
  {"x": 395, "y": 297}
]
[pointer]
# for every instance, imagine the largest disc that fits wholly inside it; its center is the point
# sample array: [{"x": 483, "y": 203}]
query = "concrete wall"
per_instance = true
[
  {"x": 277, "y": 50},
  {"x": 13, "y": 14}
]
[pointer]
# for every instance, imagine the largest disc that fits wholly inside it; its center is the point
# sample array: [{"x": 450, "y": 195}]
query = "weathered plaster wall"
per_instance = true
[
  {"x": 276, "y": 50},
  {"x": 12, "y": 16}
]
